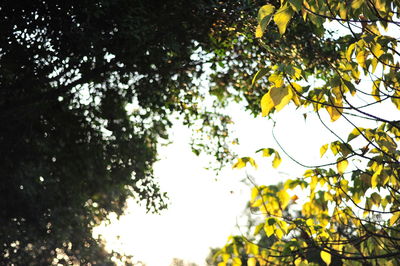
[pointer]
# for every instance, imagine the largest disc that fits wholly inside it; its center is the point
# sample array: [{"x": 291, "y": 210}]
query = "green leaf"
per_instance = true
[
  {"x": 260, "y": 73},
  {"x": 264, "y": 18},
  {"x": 356, "y": 4},
  {"x": 282, "y": 17},
  {"x": 354, "y": 133},
  {"x": 326, "y": 257},
  {"x": 296, "y": 4}
]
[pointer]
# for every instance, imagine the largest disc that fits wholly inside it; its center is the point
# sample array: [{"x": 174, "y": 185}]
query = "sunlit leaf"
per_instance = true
[
  {"x": 277, "y": 160},
  {"x": 251, "y": 261},
  {"x": 335, "y": 111},
  {"x": 356, "y": 4},
  {"x": 323, "y": 149},
  {"x": 264, "y": 17},
  {"x": 354, "y": 133},
  {"x": 326, "y": 257},
  {"x": 342, "y": 166},
  {"x": 394, "y": 219},
  {"x": 282, "y": 17}
]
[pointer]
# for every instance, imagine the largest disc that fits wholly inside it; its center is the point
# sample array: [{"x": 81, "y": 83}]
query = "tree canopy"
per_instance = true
[
  {"x": 87, "y": 90},
  {"x": 348, "y": 210}
]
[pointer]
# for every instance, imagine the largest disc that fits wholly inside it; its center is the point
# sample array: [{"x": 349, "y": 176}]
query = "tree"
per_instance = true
[
  {"x": 87, "y": 90},
  {"x": 351, "y": 210}
]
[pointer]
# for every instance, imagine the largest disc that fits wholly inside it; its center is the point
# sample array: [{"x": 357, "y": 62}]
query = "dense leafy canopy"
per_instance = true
[
  {"x": 87, "y": 90},
  {"x": 349, "y": 210}
]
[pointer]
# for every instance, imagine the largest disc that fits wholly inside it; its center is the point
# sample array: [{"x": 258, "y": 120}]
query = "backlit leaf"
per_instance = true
[
  {"x": 323, "y": 149},
  {"x": 335, "y": 111},
  {"x": 394, "y": 218},
  {"x": 282, "y": 17},
  {"x": 342, "y": 165},
  {"x": 260, "y": 73}
]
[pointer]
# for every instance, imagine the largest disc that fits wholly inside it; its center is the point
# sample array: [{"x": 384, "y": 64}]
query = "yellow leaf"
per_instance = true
[
  {"x": 280, "y": 97},
  {"x": 350, "y": 50},
  {"x": 361, "y": 56},
  {"x": 323, "y": 149},
  {"x": 251, "y": 261},
  {"x": 277, "y": 160},
  {"x": 239, "y": 164},
  {"x": 335, "y": 111},
  {"x": 356, "y": 4},
  {"x": 269, "y": 230},
  {"x": 279, "y": 233},
  {"x": 265, "y": 11},
  {"x": 396, "y": 99},
  {"x": 266, "y": 104},
  {"x": 276, "y": 97},
  {"x": 264, "y": 17},
  {"x": 394, "y": 218},
  {"x": 326, "y": 257},
  {"x": 375, "y": 90},
  {"x": 277, "y": 79},
  {"x": 342, "y": 165},
  {"x": 259, "y": 32},
  {"x": 375, "y": 176},
  {"x": 282, "y": 17}
]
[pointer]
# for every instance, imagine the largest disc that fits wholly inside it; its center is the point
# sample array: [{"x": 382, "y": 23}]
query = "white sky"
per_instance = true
[{"x": 203, "y": 210}]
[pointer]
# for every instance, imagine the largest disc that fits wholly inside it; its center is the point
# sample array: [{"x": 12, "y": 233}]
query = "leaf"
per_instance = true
[
  {"x": 335, "y": 111},
  {"x": 356, "y": 4},
  {"x": 350, "y": 50},
  {"x": 269, "y": 230},
  {"x": 323, "y": 149},
  {"x": 375, "y": 176},
  {"x": 268, "y": 152},
  {"x": 264, "y": 18},
  {"x": 394, "y": 218},
  {"x": 265, "y": 11},
  {"x": 296, "y": 4},
  {"x": 276, "y": 97},
  {"x": 260, "y": 73},
  {"x": 361, "y": 57},
  {"x": 280, "y": 97},
  {"x": 277, "y": 160},
  {"x": 282, "y": 17},
  {"x": 342, "y": 165},
  {"x": 259, "y": 32},
  {"x": 354, "y": 133},
  {"x": 241, "y": 162},
  {"x": 326, "y": 257},
  {"x": 375, "y": 90},
  {"x": 396, "y": 99},
  {"x": 251, "y": 261},
  {"x": 277, "y": 79}
]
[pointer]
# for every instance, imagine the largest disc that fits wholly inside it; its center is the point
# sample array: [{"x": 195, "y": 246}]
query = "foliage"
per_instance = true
[
  {"x": 349, "y": 209},
  {"x": 87, "y": 91}
]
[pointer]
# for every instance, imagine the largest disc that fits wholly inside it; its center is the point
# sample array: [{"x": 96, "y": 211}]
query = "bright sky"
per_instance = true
[{"x": 204, "y": 208}]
